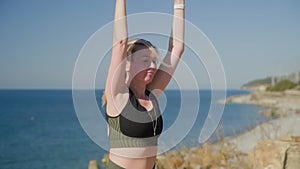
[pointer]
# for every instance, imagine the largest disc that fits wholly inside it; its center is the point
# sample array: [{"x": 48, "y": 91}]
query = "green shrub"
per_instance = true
[{"x": 282, "y": 86}]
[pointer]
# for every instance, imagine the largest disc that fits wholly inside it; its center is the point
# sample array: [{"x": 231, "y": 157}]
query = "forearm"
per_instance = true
[
  {"x": 177, "y": 35},
  {"x": 120, "y": 22}
]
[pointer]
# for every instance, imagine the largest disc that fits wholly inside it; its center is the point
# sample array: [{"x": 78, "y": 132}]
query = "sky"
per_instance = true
[{"x": 41, "y": 40}]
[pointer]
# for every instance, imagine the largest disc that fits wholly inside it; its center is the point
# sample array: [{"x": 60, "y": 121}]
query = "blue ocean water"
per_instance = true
[{"x": 40, "y": 129}]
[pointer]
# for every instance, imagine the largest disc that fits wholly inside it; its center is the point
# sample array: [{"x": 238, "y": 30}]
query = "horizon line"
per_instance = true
[{"x": 103, "y": 89}]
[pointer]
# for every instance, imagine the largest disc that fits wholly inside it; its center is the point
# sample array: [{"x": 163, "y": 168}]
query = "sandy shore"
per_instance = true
[
  {"x": 284, "y": 105},
  {"x": 279, "y": 129}
]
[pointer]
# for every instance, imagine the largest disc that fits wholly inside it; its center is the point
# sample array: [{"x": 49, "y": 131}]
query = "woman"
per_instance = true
[{"x": 132, "y": 87}]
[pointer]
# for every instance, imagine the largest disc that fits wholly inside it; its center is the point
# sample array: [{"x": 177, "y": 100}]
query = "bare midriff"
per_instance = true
[{"x": 134, "y": 157}]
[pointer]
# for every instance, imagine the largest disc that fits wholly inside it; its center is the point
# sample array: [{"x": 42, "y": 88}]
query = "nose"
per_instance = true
[{"x": 153, "y": 65}]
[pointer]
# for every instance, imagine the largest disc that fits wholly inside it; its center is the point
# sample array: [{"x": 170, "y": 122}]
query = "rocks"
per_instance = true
[
  {"x": 293, "y": 157},
  {"x": 276, "y": 104},
  {"x": 293, "y": 92},
  {"x": 209, "y": 156},
  {"x": 93, "y": 164},
  {"x": 276, "y": 154},
  {"x": 269, "y": 154}
]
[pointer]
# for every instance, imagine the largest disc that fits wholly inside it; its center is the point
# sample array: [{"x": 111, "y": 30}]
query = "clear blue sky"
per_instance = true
[{"x": 40, "y": 40}]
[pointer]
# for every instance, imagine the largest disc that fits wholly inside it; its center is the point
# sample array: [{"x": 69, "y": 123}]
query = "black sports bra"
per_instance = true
[{"x": 135, "y": 123}]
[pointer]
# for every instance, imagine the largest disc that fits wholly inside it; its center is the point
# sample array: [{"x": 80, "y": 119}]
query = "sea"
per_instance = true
[{"x": 40, "y": 128}]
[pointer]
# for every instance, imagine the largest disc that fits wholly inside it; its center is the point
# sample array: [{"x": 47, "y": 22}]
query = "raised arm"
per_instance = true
[
  {"x": 175, "y": 50},
  {"x": 115, "y": 81},
  {"x": 176, "y": 42}
]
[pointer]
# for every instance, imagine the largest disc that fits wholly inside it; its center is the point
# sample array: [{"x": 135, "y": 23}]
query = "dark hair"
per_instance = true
[{"x": 134, "y": 43}]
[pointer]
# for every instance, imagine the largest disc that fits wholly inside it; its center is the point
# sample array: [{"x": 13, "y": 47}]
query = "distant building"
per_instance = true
[{"x": 293, "y": 77}]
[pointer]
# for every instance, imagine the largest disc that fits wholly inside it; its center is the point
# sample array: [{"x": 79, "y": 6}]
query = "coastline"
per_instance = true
[
  {"x": 281, "y": 128},
  {"x": 283, "y": 106},
  {"x": 238, "y": 151}
]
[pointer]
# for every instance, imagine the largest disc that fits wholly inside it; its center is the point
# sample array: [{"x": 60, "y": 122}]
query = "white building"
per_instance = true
[{"x": 293, "y": 77}]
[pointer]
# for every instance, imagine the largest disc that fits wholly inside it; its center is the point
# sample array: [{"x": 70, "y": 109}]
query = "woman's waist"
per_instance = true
[{"x": 134, "y": 152}]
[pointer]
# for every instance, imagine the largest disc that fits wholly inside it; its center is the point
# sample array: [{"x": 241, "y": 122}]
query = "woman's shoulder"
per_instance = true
[{"x": 116, "y": 104}]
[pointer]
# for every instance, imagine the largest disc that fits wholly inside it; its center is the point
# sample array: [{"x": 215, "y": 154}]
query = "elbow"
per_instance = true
[
  {"x": 181, "y": 48},
  {"x": 123, "y": 41},
  {"x": 178, "y": 50},
  {"x": 121, "y": 44}
]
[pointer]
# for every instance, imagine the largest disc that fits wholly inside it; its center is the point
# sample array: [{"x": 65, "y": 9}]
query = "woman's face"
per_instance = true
[{"x": 142, "y": 66}]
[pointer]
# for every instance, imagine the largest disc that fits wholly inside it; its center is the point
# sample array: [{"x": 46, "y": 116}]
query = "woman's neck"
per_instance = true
[{"x": 138, "y": 91}]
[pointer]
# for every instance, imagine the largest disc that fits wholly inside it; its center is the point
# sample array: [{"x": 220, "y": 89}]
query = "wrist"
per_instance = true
[
  {"x": 179, "y": 6},
  {"x": 178, "y": 2}
]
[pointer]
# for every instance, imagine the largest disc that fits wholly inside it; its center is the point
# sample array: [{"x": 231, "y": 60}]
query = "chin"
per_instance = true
[
  {"x": 148, "y": 81},
  {"x": 149, "y": 78}
]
